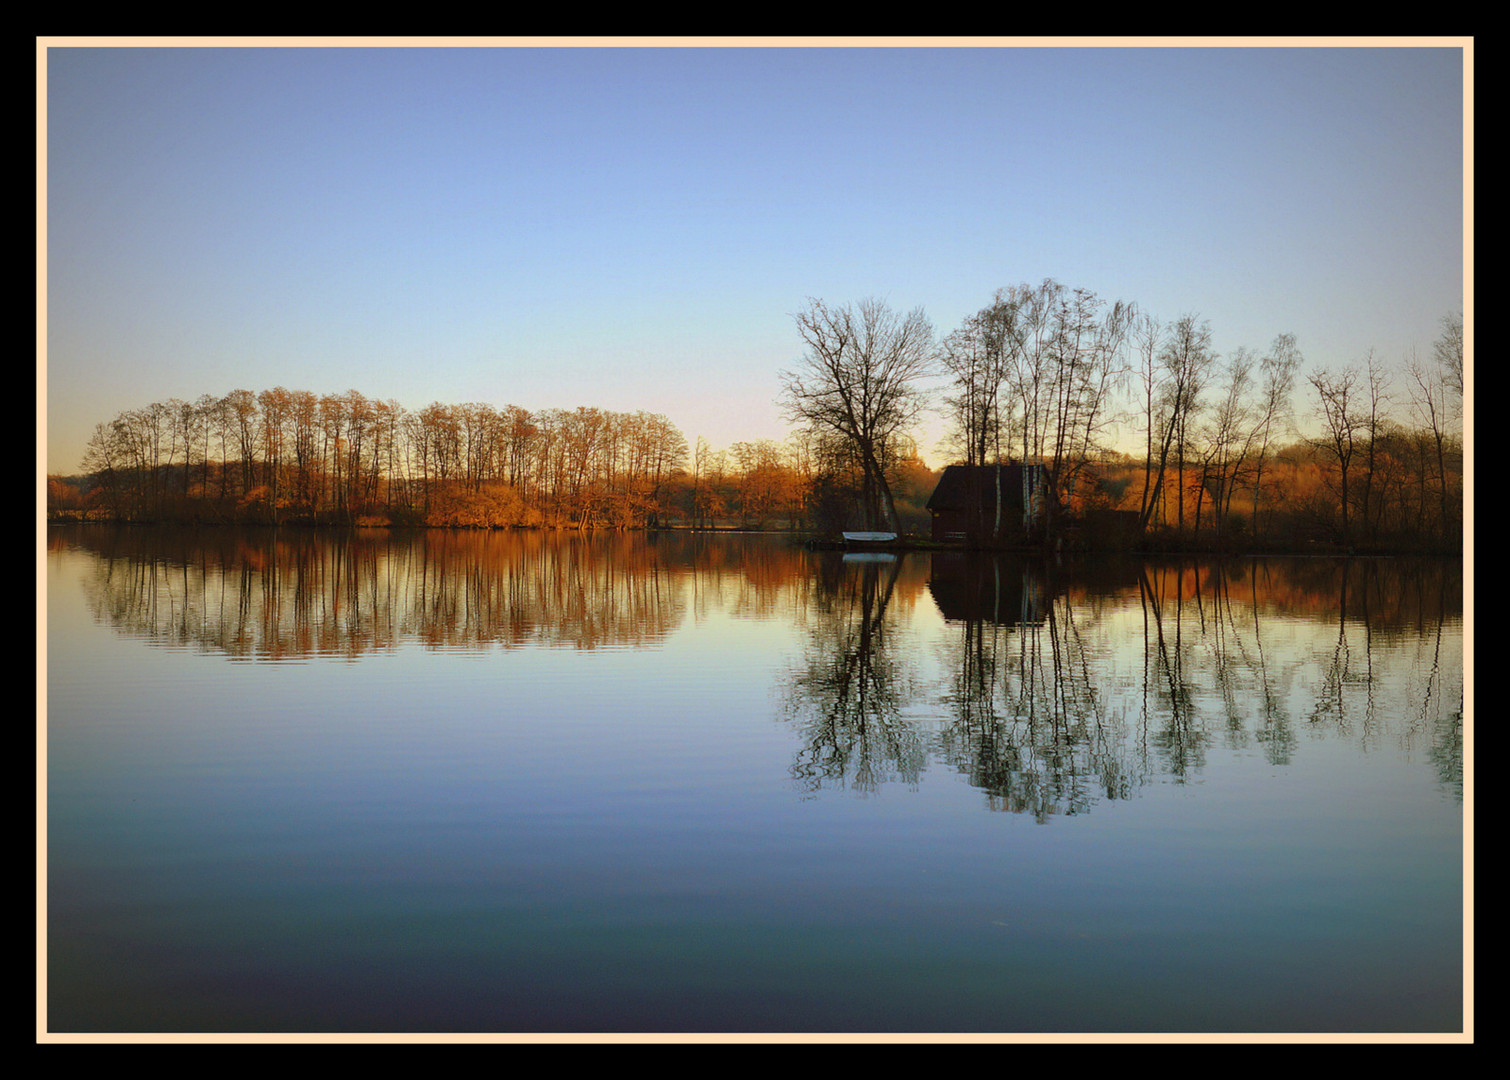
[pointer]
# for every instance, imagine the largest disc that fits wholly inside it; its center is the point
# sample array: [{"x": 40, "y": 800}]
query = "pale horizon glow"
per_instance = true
[{"x": 632, "y": 228}]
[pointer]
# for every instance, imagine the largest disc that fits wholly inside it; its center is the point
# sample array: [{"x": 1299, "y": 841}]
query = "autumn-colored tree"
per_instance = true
[
  {"x": 242, "y": 407},
  {"x": 63, "y": 496},
  {"x": 275, "y": 405}
]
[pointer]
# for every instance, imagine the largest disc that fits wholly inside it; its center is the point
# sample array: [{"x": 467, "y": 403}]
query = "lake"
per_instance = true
[{"x": 534, "y": 782}]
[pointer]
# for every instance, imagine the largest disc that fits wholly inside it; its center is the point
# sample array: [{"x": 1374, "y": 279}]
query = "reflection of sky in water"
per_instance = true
[{"x": 554, "y": 838}]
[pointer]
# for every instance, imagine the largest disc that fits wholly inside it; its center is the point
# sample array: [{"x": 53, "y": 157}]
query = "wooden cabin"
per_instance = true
[{"x": 964, "y": 504}]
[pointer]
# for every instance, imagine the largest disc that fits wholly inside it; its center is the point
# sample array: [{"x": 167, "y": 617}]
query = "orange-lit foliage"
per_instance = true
[{"x": 1395, "y": 498}]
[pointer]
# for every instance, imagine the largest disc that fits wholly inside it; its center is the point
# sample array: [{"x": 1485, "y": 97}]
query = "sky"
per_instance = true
[{"x": 633, "y": 228}]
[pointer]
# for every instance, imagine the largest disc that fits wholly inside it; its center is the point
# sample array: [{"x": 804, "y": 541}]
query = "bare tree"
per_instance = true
[
  {"x": 242, "y": 406},
  {"x": 1338, "y": 409},
  {"x": 275, "y": 405},
  {"x": 1146, "y": 335},
  {"x": 107, "y": 458},
  {"x": 1227, "y": 435},
  {"x": 1185, "y": 358},
  {"x": 1437, "y": 401},
  {"x": 520, "y": 433},
  {"x": 974, "y": 389},
  {"x": 1376, "y": 389},
  {"x": 859, "y": 379},
  {"x": 205, "y": 409},
  {"x": 1055, "y": 353},
  {"x": 304, "y": 420},
  {"x": 1087, "y": 369},
  {"x": 977, "y": 356},
  {"x": 1448, "y": 350},
  {"x": 181, "y": 433},
  {"x": 1277, "y": 370}
]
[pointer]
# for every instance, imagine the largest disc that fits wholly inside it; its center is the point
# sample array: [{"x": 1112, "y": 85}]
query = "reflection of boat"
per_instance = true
[
  {"x": 852, "y": 541},
  {"x": 869, "y": 557}
]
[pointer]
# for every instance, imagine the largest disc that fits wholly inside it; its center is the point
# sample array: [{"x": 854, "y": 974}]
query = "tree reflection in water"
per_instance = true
[
  {"x": 848, "y": 695},
  {"x": 1048, "y": 686},
  {"x": 1026, "y": 721},
  {"x": 1062, "y": 685},
  {"x": 290, "y": 594}
]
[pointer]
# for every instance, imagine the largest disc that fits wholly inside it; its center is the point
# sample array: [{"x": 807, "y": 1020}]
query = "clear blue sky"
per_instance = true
[{"x": 632, "y": 228}]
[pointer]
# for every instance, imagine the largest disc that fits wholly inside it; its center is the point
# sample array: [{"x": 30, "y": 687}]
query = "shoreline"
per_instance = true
[{"x": 827, "y": 542}]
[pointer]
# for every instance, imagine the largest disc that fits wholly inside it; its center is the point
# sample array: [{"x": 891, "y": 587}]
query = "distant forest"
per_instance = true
[
  {"x": 1043, "y": 374},
  {"x": 294, "y": 457}
]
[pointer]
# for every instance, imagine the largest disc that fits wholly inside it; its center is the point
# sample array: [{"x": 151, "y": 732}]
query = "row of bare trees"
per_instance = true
[
  {"x": 1049, "y": 375},
  {"x": 1032, "y": 377},
  {"x": 291, "y": 454},
  {"x": 1043, "y": 374},
  {"x": 283, "y": 455},
  {"x": 1390, "y": 476}
]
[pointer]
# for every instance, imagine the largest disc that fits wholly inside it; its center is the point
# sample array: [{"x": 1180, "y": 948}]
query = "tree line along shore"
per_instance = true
[{"x": 1252, "y": 450}]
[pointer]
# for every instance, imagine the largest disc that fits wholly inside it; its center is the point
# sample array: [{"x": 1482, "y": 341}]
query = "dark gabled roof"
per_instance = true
[{"x": 965, "y": 486}]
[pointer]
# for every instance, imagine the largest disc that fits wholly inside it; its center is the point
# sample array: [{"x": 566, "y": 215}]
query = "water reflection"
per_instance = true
[
  {"x": 848, "y": 692},
  {"x": 1246, "y": 772},
  {"x": 290, "y": 595},
  {"x": 1027, "y": 723},
  {"x": 1062, "y": 685},
  {"x": 1048, "y": 686}
]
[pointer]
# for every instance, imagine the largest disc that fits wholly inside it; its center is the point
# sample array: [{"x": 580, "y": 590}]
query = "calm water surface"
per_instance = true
[{"x": 503, "y": 782}]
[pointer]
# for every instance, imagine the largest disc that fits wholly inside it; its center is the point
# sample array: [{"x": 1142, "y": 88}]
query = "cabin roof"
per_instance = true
[{"x": 964, "y": 486}]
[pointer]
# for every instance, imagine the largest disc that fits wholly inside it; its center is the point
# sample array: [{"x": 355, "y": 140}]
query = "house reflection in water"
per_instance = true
[
  {"x": 981, "y": 588},
  {"x": 1024, "y": 718}
]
